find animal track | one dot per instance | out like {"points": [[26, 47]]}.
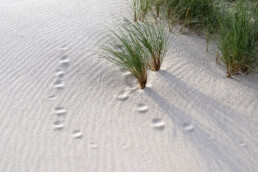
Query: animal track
{"points": [[63, 47], [123, 95], [77, 134], [51, 97], [188, 127], [142, 108], [59, 84], [158, 124], [64, 61], [125, 146], [59, 73], [60, 111], [130, 80], [126, 73], [93, 145], [58, 125]]}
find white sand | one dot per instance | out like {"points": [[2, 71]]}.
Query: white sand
{"points": [[64, 110]]}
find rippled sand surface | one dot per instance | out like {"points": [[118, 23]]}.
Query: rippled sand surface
{"points": [[64, 109]]}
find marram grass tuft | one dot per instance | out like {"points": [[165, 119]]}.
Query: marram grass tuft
{"points": [[154, 37], [238, 39], [124, 50]]}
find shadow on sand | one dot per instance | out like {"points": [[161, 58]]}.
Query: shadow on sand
{"points": [[220, 145]]}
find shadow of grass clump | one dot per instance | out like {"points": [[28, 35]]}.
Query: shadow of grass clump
{"points": [[238, 39], [229, 122]]}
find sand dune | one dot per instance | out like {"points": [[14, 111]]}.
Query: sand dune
{"points": [[64, 109]]}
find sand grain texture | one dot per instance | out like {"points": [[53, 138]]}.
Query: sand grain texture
{"points": [[64, 109]]}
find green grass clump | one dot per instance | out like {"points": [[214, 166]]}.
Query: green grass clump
{"points": [[137, 47], [238, 39], [192, 13], [124, 50], [233, 22], [154, 38]]}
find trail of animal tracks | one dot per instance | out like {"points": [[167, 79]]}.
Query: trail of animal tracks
{"points": [[64, 109]]}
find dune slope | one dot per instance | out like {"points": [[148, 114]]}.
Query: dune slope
{"points": [[64, 109]]}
